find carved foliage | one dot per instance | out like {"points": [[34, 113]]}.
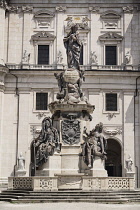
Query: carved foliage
{"points": [[61, 9], [128, 9], [27, 8], [70, 131], [94, 9]]}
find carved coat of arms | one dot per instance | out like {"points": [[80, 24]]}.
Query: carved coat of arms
{"points": [[70, 131]]}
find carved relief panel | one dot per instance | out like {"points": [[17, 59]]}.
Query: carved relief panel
{"points": [[44, 19], [111, 20]]}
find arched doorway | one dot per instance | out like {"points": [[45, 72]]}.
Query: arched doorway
{"points": [[113, 162]]}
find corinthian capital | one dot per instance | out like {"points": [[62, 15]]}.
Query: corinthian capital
{"points": [[128, 9], [4, 4]]}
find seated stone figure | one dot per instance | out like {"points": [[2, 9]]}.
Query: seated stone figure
{"points": [[46, 143], [94, 144]]}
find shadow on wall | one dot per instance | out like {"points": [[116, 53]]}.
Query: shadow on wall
{"points": [[129, 116]]}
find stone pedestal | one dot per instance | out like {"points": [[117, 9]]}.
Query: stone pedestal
{"points": [[130, 174], [98, 169], [20, 173], [70, 121], [51, 167]]}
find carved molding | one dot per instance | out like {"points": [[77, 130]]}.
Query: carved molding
{"points": [[61, 9], [43, 35], [111, 36], [27, 8], [44, 14], [44, 18], [128, 9], [110, 14], [112, 131], [94, 9]]}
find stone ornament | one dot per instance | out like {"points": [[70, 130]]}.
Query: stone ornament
{"points": [[61, 9], [4, 4], [111, 36], [46, 143], [70, 131], [21, 162], [94, 9], [44, 18], [112, 132], [128, 9], [27, 8], [95, 144], [40, 115], [59, 57], [93, 58], [13, 9], [111, 24], [80, 21], [127, 58], [43, 35], [129, 163]]}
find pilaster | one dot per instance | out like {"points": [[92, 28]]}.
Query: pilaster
{"points": [[95, 31], [60, 18], [3, 72], [127, 15], [128, 129], [2, 30]]}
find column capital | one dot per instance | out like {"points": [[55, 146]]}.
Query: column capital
{"points": [[61, 9], [94, 9], [128, 9], [27, 8]]}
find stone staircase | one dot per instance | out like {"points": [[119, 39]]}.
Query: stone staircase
{"points": [[24, 196]]}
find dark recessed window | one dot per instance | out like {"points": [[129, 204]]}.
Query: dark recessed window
{"points": [[110, 55], [81, 56], [111, 101], [41, 101], [43, 54]]}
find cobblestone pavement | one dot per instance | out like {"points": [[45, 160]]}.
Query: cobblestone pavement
{"points": [[68, 206]]}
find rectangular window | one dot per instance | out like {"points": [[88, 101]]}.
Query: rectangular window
{"points": [[111, 101], [43, 54], [81, 56], [110, 55], [41, 101]]}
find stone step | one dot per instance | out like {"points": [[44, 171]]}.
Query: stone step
{"points": [[74, 200], [70, 196]]}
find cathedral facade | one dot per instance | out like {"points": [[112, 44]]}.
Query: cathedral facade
{"points": [[32, 50]]}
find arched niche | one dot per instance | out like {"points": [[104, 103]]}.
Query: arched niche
{"points": [[114, 158]]}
